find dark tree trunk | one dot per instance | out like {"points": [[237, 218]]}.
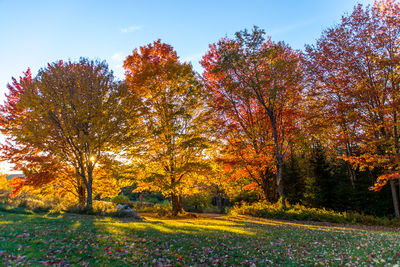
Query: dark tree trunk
{"points": [[392, 184], [279, 167], [395, 198], [81, 192], [89, 190], [174, 203], [352, 174], [180, 208], [266, 191], [219, 204], [278, 157], [269, 186]]}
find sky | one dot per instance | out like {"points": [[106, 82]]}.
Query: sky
{"points": [[34, 33]]}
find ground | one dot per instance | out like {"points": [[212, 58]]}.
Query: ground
{"points": [[209, 240]]}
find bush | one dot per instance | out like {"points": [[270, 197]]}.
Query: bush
{"points": [[99, 208], [9, 209], [120, 199], [103, 206], [302, 213], [212, 209], [4, 195], [163, 210], [197, 202]]}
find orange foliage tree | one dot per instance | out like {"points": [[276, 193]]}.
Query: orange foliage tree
{"points": [[67, 117], [173, 119], [3, 182]]}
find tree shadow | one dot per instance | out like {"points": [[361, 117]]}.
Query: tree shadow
{"points": [[218, 240]]}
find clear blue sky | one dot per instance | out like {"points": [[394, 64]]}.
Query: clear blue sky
{"points": [[34, 33]]}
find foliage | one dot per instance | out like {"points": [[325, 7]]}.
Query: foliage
{"points": [[264, 122], [173, 117], [67, 117], [4, 186], [112, 175], [120, 199], [197, 202], [163, 210], [354, 77], [255, 88], [302, 213], [102, 208], [25, 203]]}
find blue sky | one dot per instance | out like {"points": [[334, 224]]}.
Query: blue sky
{"points": [[34, 33]]}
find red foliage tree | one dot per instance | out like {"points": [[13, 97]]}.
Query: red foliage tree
{"points": [[255, 85], [355, 67]]}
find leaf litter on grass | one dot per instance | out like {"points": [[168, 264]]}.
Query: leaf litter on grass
{"points": [[92, 241]]}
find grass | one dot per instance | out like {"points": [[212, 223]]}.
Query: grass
{"points": [[30, 239]]}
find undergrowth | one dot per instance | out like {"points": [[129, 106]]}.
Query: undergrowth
{"points": [[302, 213]]}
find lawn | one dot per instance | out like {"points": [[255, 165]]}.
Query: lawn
{"points": [[217, 240]]}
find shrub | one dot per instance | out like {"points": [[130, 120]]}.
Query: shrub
{"points": [[212, 209], [120, 199], [105, 207], [98, 208], [76, 209], [197, 202], [163, 210], [302, 213], [4, 195]]}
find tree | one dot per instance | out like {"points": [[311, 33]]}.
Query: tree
{"points": [[173, 117], [357, 65], [112, 175], [250, 75], [3, 182], [68, 114], [39, 168]]}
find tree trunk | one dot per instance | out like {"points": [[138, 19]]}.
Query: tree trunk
{"points": [[278, 157], [89, 190], [351, 174], [269, 186], [392, 183], [395, 198], [219, 203], [81, 192], [266, 191], [279, 167], [180, 208], [176, 204]]}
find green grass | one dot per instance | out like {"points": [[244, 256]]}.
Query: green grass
{"points": [[29, 239]]}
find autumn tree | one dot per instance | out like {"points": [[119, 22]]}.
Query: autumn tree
{"points": [[3, 182], [112, 175], [173, 117], [257, 81], [356, 71], [69, 114], [39, 168]]}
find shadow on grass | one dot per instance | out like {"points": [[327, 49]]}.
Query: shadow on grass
{"points": [[45, 239], [221, 240]]}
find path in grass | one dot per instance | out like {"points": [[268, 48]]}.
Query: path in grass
{"points": [[219, 240]]}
